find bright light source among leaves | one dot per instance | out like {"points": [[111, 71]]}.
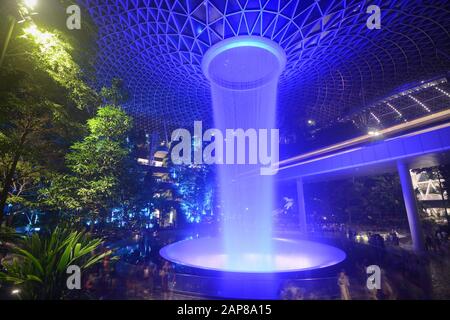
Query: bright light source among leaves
{"points": [[31, 4]]}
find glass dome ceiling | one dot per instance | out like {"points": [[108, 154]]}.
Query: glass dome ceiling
{"points": [[335, 64]]}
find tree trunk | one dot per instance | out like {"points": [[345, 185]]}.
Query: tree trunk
{"points": [[10, 175], [7, 185]]}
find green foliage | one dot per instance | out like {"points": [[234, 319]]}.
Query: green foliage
{"points": [[110, 123], [51, 52], [97, 164], [43, 100], [115, 94], [32, 131], [26, 179], [94, 157], [8, 234], [195, 187], [370, 201], [40, 262]]}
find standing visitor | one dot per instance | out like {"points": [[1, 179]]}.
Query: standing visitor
{"points": [[153, 273], [90, 284], [386, 287], [429, 245], [172, 281], [344, 285], [106, 266], [164, 274]]}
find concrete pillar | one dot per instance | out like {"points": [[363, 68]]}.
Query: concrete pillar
{"points": [[301, 205], [409, 197]]}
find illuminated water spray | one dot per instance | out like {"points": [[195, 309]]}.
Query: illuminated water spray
{"points": [[243, 73]]}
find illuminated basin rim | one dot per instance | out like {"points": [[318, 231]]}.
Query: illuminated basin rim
{"points": [[288, 256], [243, 62]]}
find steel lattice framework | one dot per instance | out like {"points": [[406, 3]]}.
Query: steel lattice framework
{"points": [[335, 63]]}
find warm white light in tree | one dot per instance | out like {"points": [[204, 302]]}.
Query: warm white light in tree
{"points": [[31, 4]]}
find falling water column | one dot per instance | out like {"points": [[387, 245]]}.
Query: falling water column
{"points": [[244, 72]]}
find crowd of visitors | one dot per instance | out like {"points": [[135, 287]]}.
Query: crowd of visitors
{"points": [[142, 279], [403, 274], [436, 242], [346, 287], [157, 279]]}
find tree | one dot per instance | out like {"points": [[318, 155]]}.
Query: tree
{"points": [[43, 99], [115, 94], [32, 133], [361, 201], [40, 263], [97, 165], [22, 194], [194, 186]]}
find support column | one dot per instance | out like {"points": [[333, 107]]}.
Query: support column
{"points": [[409, 197], [301, 205]]}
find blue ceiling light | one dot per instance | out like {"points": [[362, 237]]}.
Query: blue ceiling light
{"points": [[334, 63]]}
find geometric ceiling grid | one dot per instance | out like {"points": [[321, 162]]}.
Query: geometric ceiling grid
{"points": [[335, 64]]}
